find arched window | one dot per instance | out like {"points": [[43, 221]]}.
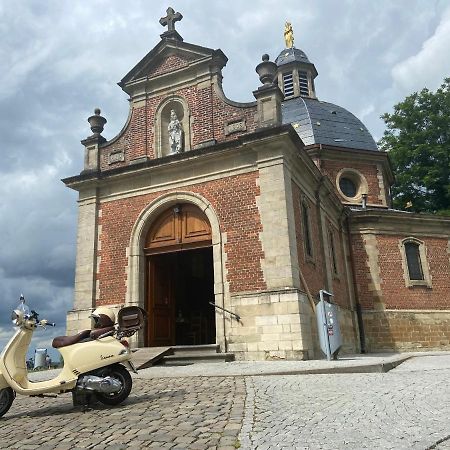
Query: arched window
{"points": [[333, 257], [415, 265], [413, 261], [306, 225]]}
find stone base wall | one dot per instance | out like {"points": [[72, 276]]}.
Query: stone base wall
{"points": [[407, 330], [274, 325], [349, 331]]}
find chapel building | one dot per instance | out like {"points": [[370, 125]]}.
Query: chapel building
{"points": [[223, 220]]}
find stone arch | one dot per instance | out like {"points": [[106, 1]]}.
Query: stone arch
{"points": [[136, 258], [162, 119]]}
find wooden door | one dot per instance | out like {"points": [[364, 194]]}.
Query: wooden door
{"points": [[161, 302], [182, 227]]}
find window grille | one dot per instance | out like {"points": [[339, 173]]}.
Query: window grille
{"points": [[288, 84], [303, 83]]}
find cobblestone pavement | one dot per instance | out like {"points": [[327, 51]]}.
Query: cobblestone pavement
{"points": [[406, 408], [192, 413]]}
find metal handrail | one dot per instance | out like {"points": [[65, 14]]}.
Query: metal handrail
{"points": [[238, 317]]}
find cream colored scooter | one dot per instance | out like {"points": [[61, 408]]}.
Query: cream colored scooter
{"points": [[94, 362]]}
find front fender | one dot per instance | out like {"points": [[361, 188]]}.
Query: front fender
{"points": [[3, 383]]}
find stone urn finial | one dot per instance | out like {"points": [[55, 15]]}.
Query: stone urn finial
{"points": [[97, 122], [266, 70]]}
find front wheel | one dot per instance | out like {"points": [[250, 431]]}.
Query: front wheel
{"points": [[7, 396], [121, 374]]}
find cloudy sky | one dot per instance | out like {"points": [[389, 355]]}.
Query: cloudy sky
{"points": [[60, 60]]}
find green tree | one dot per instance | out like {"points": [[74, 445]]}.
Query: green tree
{"points": [[418, 141]]}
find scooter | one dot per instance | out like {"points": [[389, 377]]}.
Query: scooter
{"points": [[96, 362]]}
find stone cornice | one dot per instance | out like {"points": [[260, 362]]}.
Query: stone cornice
{"points": [[260, 137], [395, 222]]}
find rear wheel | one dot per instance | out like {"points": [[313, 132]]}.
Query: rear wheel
{"points": [[121, 374], [7, 396]]}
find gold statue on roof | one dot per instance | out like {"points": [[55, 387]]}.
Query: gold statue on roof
{"points": [[288, 35]]}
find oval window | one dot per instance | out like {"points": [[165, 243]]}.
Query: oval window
{"points": [[348, 187]]}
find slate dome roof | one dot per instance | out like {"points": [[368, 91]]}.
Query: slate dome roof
{"points": [[292, 54], [319, 122]]}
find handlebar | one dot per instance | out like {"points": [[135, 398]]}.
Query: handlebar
{"points": [[45, 323]]}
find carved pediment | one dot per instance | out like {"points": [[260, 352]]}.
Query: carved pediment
{"points": [[168, 56]]}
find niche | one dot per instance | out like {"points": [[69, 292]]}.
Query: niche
{"points": [[172, 113]]}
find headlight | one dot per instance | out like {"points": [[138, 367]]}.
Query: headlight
{"points": [[17, 317]]}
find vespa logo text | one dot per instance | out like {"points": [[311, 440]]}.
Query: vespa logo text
{"points": [[106, 357]]}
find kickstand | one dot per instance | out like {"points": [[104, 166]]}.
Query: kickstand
{"points": [[83, 399]]}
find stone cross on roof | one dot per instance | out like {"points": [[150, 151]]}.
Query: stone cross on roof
{"points": [[170, 19]]}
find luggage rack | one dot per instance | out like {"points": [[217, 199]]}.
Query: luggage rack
{"points": [[130, 319]]}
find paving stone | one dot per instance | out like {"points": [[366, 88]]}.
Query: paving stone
{"points": [[407, 408]]}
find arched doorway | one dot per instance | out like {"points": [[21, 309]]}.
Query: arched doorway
{"points": [[180, 278]]}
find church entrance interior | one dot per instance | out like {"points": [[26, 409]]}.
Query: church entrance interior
{"points": [[180, 279], [181, 285]]}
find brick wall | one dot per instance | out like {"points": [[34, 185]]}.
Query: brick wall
{"points": [[209, 114], [393, 293], [370, 172], [339, 280], [313, 269], [234, 200], [170, 64]]}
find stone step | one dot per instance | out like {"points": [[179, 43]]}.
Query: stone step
{"points": [[206, 348], [186, 358]]}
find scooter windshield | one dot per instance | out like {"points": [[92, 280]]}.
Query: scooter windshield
{"points": [[22, 311], [23, 308]]}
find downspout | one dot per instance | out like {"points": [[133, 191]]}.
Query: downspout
{"points": [[146, 121], [362, 336], [222, 269]]}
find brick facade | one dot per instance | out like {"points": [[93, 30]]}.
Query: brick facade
{"points": [[208, 114], [369, 171], [234, 200], [252, 175], [396, 295]]}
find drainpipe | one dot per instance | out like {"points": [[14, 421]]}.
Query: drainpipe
{"points": [[364, 201], [362, 336]]}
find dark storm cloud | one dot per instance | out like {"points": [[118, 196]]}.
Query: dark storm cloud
{"points": [[60, 60]]}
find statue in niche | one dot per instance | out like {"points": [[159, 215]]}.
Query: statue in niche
{"points": [[175, 133]]}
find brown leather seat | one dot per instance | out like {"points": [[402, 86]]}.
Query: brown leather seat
{"points": [[64, 341], [95, 334]]}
